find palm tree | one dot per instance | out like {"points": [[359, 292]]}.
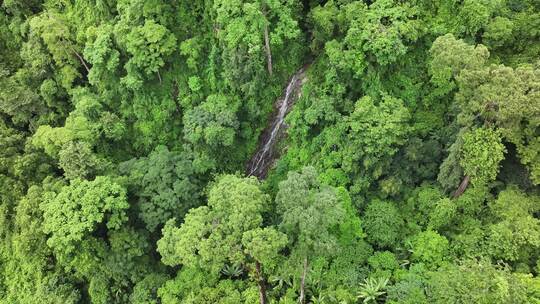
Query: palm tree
{"points": [[280, 281], [232, 271], [372, 289], [320, 299]]}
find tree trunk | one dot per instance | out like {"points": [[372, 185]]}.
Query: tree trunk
{"points": [[462, 187], [267, 48], [81, 59], [159, 76], [261, 283], [303, 282]]}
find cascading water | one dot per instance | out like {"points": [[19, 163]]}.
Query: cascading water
{"points": [[265, 156]]}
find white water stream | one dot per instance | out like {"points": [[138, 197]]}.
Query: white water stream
{"points": [[265, 155]]}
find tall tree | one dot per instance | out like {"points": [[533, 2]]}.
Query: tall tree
{"points": [[80, 208], [256, 25], [309, 213], [226, 232], [166, 185]]}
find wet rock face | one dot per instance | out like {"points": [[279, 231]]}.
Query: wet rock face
{"points": [[266, 153]]}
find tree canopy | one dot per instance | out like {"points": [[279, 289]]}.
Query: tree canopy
{"points": [[396, 146]]}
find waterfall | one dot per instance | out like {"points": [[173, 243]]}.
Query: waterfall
{"points": [[265, 155]]}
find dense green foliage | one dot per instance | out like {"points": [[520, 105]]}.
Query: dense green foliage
{"points": [[410, 172]]}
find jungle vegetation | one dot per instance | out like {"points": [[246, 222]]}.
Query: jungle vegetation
{"points": [[409, 174]]}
